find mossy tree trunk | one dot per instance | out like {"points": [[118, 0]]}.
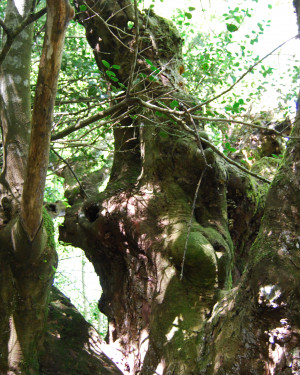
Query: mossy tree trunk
{"points": [[27, 250], [217, 313]]}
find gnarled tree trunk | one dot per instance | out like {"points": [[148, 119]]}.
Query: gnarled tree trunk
{"points": [[165, 252]]}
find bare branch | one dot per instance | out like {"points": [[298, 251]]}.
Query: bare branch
{"points": [[136, 49], [107, 25], [230, 161], [2, 24], [12, 34], [90, 120], [217, 151], [263, 128], [82, 191]]}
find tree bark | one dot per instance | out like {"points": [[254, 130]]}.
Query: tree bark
{"points": [[27, 250], [58, 16], [138, 230], [15, 109], [72, 346]]}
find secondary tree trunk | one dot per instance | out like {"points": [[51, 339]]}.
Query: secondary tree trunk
{"points": [[200, 317], [27, 251]]}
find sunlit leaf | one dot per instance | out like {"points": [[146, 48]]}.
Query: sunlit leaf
{"points": [[106, 64], [130, 24], [231, 27], [174, 104]]}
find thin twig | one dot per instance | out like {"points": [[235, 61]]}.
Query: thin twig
{"points": [[106, 25], [217, 151], [71, 170], [81, 124], [136, 49], [263, 128]]}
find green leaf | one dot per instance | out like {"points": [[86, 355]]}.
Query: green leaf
{"points": [[163, 134], [92, 90], [205, 66], [130, 25], [106, 64], [150, 63], [191, 9], [83, 8], [115, 67], [110, 73], [269, 6], [152, 79], [231, 27], [188, 15], [174, 104]]}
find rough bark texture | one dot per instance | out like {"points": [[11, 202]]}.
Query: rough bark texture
{"points": [[135, 232], [260, 318], [72, 346], [15, 111]]}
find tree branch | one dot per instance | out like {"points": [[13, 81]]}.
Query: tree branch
{"points": [[217, 151], [12, 34], [83, 123], [73, 173], [136, 49], [59, 13], [2, 24]]}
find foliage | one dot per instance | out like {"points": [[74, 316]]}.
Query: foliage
{"points": [[215, 58]]}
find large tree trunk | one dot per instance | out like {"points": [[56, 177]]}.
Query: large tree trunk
{"points": [[168, 255]]}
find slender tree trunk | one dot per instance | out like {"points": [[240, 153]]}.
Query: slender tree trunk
{"points": [[27, 250], [15, 107]]}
